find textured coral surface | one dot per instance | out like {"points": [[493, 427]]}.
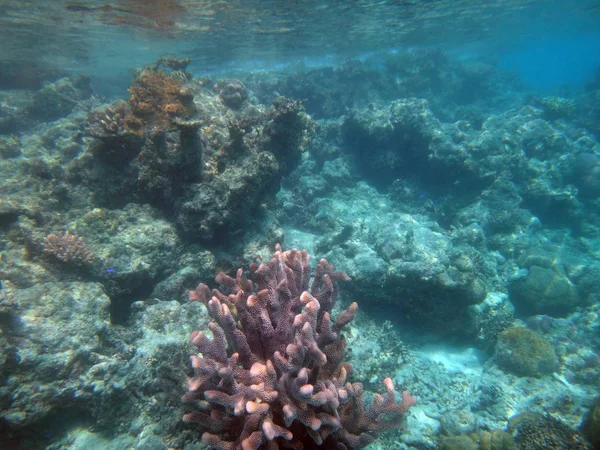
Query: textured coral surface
{"points": [[156, 98]]}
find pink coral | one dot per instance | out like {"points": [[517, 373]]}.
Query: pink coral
{"points": [[272, 375]]}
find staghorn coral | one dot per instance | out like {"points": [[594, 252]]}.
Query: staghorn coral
{"points": [[67, 248], [273, 376]]}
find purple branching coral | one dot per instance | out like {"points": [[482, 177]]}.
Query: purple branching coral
{"points": [[273, 376], [67, 248]]}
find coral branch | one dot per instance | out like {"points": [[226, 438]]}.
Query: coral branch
{"points": [[273, 374], [67, 248]]}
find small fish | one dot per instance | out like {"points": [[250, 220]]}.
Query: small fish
{"points": [[111, 271]]}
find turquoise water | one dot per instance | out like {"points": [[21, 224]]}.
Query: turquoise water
{"points": [[551, 62], [438, 162]]}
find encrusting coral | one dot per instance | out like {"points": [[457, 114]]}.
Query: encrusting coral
{"points": [[273, 375], [157, 98]]}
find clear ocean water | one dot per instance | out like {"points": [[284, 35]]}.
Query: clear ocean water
{"points": [[239, 225]]}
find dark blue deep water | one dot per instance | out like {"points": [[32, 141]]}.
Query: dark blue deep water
{"points": [[244, 225]]}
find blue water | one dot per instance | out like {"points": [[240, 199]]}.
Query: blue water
{"points": [[555, 61]]}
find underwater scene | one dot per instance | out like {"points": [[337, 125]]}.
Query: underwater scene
{"points": [[300, 224]]}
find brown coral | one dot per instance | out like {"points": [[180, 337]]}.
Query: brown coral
{"points": [[233, 93], [174, 110], [158, 97], [108, 121], [273, 376]]}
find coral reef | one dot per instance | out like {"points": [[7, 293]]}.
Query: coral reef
{"points": [[485, 204], [198, 151], [243, 160], [58, 356], [420, 273], [26, 74], [283, 377], [66, 364], [147, 147], [405, 140]]}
